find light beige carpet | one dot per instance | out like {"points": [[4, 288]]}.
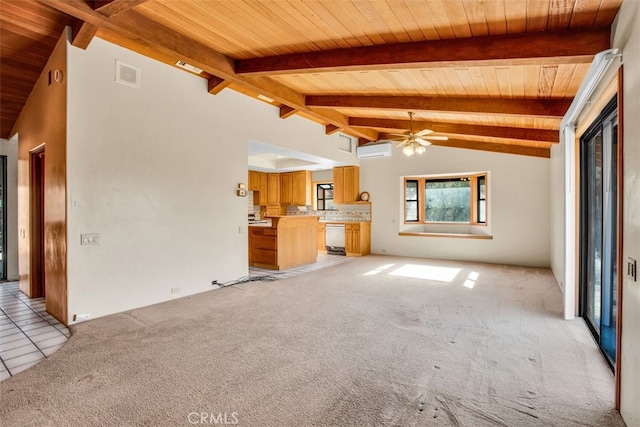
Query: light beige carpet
{"points": [[380, 341]]}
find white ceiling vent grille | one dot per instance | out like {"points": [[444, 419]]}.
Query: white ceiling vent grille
{"points": [[346, 144], [127, 75]]}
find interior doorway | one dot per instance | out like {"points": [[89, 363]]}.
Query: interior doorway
{"points": [[599, 229], [37, 225]]}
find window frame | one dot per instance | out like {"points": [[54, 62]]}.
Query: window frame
{"points": [[417, 201], [474, 208], [315, 196]]}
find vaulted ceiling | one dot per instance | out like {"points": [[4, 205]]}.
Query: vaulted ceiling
{"points": [[495, 75]]}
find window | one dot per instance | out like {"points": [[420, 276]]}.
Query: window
{"points": [[447, 200], [454, 199], [324, 197], [482, 200], [411, 201]]}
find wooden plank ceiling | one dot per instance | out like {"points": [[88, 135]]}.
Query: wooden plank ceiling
{"points": [[492, 75]]}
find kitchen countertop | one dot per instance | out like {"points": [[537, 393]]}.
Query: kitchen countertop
{"points": [[260, 224], [341, 222], [321, 221]]}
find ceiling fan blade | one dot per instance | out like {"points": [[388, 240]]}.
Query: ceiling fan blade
{"points": [[438, 137], [422, 141], [403, 135], [400, 144], [424, 132]]}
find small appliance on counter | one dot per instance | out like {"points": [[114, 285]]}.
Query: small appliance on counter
{"points": [[254, 218]]}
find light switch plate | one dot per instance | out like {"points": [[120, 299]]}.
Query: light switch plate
{"points": [[632, 269], [89, 239]]}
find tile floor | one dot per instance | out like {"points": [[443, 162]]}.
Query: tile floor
{"points": [[28, 333]]}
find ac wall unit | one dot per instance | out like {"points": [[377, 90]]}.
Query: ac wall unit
{"points": [[377, 149]]}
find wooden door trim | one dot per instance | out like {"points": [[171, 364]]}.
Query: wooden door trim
{"points": [[36, 258], [620, 233]]}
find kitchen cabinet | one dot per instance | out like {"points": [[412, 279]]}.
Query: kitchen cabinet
{"points": [[286, 188], [301, 188], [263, 245], [357, 238], [254, 180], [290, 241], [262, 193], [322, 246], [346, 184], [273, 189]]}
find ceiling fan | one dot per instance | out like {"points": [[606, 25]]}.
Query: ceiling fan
{"points": [[415, 142]]}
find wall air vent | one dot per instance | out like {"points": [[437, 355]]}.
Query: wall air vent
{"points": [[346, 143], [188, 67], [127, 75]]}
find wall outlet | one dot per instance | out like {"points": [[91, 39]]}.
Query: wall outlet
{"points": [[175, 290], [89, 239], [81, 317]]}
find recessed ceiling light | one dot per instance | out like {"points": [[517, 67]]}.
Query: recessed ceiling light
{"points": [[188, 67], [265, 98]]}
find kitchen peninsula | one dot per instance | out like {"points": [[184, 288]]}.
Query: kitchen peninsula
{"points": [[289, 241]]}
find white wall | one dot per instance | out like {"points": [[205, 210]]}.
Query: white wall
{"points": [[519, 206], [154, 172], [626, 36], [10, 149], [557, 210]]}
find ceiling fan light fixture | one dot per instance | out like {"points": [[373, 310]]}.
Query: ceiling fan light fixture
{"points": [[408, 150], [420, 149]]}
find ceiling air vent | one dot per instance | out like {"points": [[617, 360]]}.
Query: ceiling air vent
{"points": [[127, 75], [188, 67], [346, 144]]}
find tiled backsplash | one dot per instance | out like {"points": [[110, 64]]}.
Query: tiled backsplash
{"points": [[360, 212], [252, 208]]}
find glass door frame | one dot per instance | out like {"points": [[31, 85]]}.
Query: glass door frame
{"points": [[3, 223], [609, 236]]}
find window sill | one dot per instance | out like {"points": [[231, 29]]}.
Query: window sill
{"points": [[451, 235]]}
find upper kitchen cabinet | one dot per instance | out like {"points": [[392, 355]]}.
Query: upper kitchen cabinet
{"points": [[301, 188], [286, 188], [295, 188], [254, 180], [273, 189], [346, 184], [258, 184]]}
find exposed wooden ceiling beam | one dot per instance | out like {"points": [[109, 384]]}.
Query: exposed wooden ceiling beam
{"points": [[554, 107], [460, 129], [217, 84], [496, 147], [552, 48], [286, 111], [331, 129], [113, 7], [154, 36], [82, 33]]}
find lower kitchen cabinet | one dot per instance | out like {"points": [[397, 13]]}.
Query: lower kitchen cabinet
{"points": [[263, 245], [322, 246], [290, 241], [358, 238]]}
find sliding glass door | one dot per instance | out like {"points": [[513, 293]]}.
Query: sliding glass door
{"points": [[3, 217], [599, 229]]}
